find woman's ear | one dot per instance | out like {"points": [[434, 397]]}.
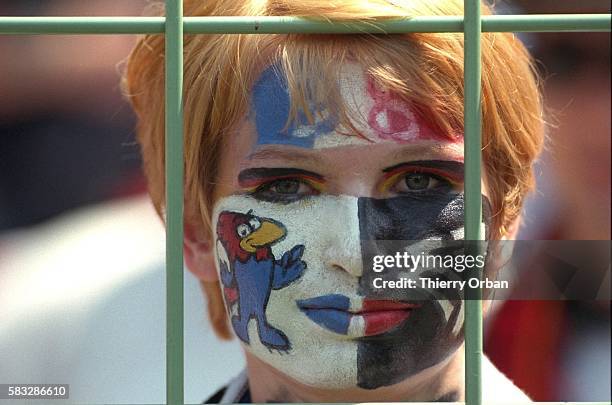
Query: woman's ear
{"points": [[199, 254]]}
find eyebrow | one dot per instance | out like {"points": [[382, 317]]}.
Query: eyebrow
{"points": [[448, 167], [253, 176], [289, 155]]}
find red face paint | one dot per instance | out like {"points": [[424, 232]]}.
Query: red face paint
{"points": [[383, 315], [391, 118]]}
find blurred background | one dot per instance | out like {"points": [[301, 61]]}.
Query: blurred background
{"points": [[82, 291], [82, 281], [560, 350]]}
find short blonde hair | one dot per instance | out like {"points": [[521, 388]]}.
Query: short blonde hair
{"points": [[424, 69]]}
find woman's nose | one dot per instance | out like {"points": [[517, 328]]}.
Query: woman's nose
{"points": [[344, 256], [342, 248]]}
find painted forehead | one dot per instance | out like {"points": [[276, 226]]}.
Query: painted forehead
{"points": [[376, 113]]}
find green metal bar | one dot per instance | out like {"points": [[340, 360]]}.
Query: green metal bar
{"points": [[497, 23], [547, 23], [272, 25], [174, 201], [279, 25], [473, 199]]}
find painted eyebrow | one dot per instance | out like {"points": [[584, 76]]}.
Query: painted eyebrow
{"points": [[292, 155], [247, 177], [452, 167]]}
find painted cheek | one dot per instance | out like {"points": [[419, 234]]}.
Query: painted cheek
{"points": [[319, 233], [433, 331]]}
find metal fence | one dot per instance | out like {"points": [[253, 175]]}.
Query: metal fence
{"points": [[174, 25]]}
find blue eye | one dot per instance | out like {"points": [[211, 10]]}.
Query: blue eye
{"points": [[416, 182], [419, 181], [284, 191], [286, 186]]}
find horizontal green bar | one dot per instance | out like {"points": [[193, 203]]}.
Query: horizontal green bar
{"points": [[273, 25], [280, 25], [547, 23], [498, 23]]}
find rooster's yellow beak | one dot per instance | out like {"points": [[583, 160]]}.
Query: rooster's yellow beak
{"points": [[266, 234]]}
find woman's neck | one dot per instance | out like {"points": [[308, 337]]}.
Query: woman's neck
{"points": [[443, 382]]}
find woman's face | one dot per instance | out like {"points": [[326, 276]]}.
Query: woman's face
{"points": [[297, 211]]}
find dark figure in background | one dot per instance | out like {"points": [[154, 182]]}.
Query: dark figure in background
{"points": [[66, 136]]}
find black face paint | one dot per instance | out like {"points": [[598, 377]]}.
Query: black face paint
{"points": [[429, 335], [248, 176]]}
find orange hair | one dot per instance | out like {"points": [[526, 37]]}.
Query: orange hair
{"points": [[424, 69]]}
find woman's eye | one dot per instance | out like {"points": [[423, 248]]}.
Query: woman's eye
{"points": [[419, 181], [286, 186], [284, 191], [415, 182]]}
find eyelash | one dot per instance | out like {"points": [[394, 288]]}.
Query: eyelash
{"points": [[394, 180], [264, 191], [266, 187]]}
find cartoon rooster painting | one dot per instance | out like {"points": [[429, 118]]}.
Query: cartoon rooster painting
{"points": [[254, 272]]}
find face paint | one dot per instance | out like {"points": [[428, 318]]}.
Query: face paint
{"points": [[434, 331], [378, 114], [252, 179], [450, 171], [375, 316], [391, 118], [251, 271], [302, 294], [271, 105], [294, 263]]}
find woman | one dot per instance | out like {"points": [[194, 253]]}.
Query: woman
{"points": [[302, 154]]}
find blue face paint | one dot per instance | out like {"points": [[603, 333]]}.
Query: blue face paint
{"points": [[271, 105], [328, 311], [252, 272]]}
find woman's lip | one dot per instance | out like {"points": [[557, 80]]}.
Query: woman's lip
{"points": [[378, 322], [370, 305], [331, 301], [342, 303], [375, 316], [381, 316]]}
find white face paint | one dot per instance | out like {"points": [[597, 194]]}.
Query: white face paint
{"points": [[298, 293], [328, 228]]}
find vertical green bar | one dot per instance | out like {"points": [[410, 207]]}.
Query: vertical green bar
{"points": [[473, 199], [174, 202]]}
